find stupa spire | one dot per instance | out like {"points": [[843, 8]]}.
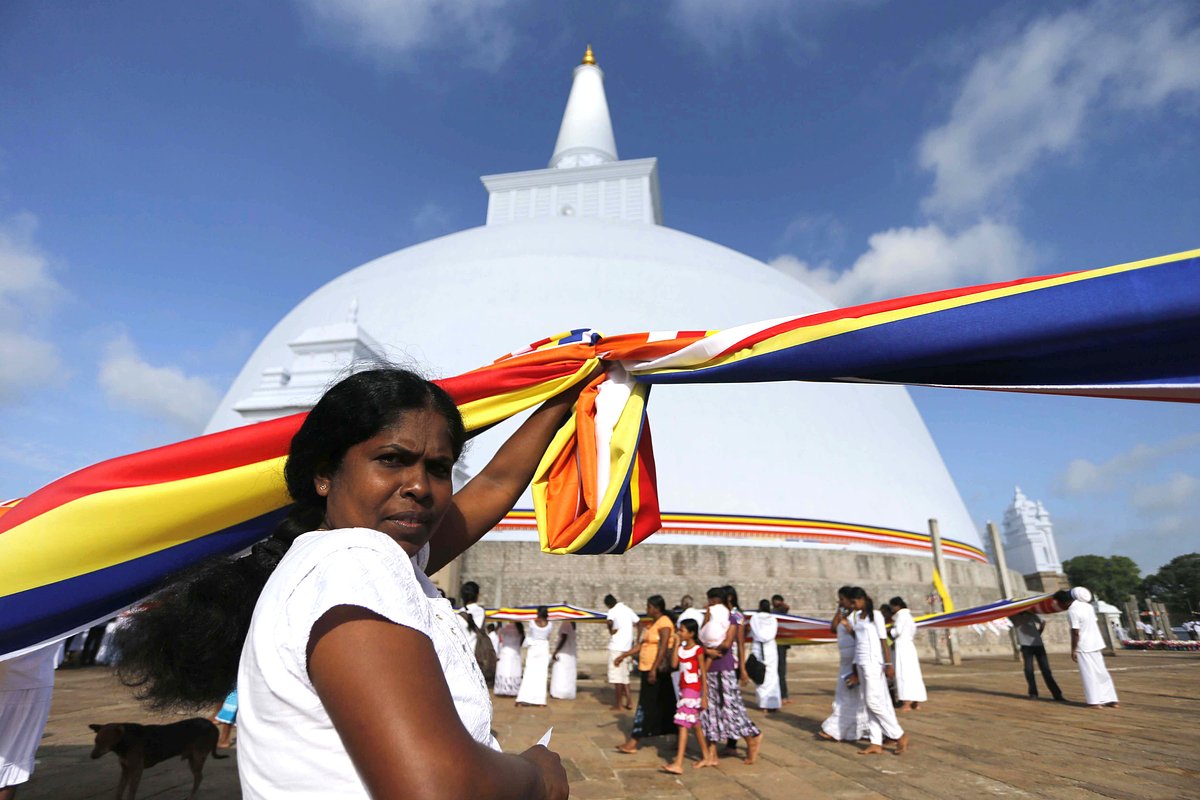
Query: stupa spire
{"points": [[585, 137]]}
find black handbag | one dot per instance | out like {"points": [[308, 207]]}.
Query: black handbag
{"points": [[756, 669]]}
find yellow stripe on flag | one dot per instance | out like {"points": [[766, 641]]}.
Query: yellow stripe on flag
{"points": [[113, 527]]}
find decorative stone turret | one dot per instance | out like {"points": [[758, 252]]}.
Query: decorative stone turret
{"points": [[323, 355], [1029, 543]]}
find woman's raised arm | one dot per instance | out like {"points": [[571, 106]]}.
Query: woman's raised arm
{"points": [[385, 691], [491, 494]]}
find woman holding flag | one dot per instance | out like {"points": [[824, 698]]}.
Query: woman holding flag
{"points": [[351, 656]]}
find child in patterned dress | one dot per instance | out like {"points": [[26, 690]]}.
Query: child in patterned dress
{"points": [[692, 663]]}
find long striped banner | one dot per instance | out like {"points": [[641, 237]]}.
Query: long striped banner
{"points": [[775, 529], [555, 612], [99, 539], [811, 630]]}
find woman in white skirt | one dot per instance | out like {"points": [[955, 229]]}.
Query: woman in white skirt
{"points": [[1087, 645], [562, 674], [848, 722], [910, 684], [508, 660], [537, 661], [765, 627], [871, 673], [26, 685]]}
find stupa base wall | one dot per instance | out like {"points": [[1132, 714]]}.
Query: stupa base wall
{"points": [[517, 573]]}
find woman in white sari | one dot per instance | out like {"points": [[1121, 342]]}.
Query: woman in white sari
{"points": [[562, 674], [848, 722], [508, 660], [910, 684], [537, 661], [764, 627]]}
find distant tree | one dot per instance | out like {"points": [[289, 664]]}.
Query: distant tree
{"points": [[1177, 584], [1111, 578]]}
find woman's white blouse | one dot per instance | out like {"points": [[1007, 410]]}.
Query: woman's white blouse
{"points": [[868, 631], [287, 745], [537, 636], [904, 627]]}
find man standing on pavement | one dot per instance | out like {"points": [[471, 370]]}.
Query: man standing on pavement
{"points": [[778, 606], [1029, 628], [621, 623]]}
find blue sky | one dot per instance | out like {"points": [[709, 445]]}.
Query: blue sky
{"points": [[175, 177]]}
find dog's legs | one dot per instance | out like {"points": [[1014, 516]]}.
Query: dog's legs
{"points": [[121, 784], [135, 777], [196, 762]]}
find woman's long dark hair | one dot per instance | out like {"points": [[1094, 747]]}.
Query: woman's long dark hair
{"points": [[857, 592], [182, 649], [731, 597]]}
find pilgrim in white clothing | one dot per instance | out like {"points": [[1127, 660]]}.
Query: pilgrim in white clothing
{"points": [[910, 685], [1098, 688], [478, 615], [848, 720], [287, 745], [537, 664], [508, 661], [868, 658], [563, 672], [26, 685], [623, 621], [764, 627]]}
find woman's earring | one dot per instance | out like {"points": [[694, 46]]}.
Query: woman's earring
{"points": [[324, 487]]}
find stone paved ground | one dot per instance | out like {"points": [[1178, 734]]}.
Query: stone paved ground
{"points": [[977, 737]]}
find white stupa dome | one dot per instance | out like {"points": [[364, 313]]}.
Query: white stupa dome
{"points": [[581, 245]]}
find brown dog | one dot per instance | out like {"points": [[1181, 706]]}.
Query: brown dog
{"points": [[141, 746]]}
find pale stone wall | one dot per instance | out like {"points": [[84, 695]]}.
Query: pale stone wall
{"points": [[517, 573]]}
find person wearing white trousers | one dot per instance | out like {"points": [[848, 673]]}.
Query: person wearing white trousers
{"points": [[871, 674], [1086, 645], [910, 684]]}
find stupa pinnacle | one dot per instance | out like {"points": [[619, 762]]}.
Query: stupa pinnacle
{"points": [[585, 137]]}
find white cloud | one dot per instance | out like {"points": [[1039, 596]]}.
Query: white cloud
{"points": [[1038, 95], [903, 261], [720, 24], [28, 362], [1177, 492], [27, 292], [1085, 477], [162, 392], [431, 219], [394, 32]]}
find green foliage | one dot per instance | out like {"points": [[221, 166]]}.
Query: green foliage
{"points": [[1111, 578], [1177, 584]]}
